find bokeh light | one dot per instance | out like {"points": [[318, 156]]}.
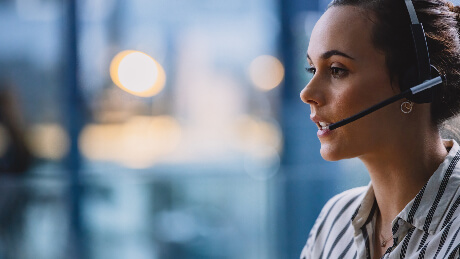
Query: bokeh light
{"points": [[261, 143], [49, 141], [254, 133], [137, 143], [266, 72], [137, 73], [146, 139], [100, 141]]}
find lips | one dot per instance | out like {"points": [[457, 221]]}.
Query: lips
{"points": [[320, 122]]}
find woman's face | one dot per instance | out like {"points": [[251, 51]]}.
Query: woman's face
{"points": [[350, 75]]}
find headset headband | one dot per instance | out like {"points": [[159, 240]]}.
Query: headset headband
{"points": [[423, 66], [421, 49], [412, 13]]}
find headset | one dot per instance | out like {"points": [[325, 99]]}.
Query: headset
{"points": [[418, 82]]}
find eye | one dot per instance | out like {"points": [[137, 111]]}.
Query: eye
{"points": [[338, 72], [311, 70]]}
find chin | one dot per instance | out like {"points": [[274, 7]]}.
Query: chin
{"points": [[331, 153], [330, 157]]}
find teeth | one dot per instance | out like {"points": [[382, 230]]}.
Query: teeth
{"points": [[323, 125]]}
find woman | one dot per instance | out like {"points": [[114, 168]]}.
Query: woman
{"points": [[359, 52]]}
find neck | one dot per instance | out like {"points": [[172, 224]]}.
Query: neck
{"points": [[400, 169]]}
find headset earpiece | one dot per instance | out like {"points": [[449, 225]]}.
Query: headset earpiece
{"points": [[410, 79]]}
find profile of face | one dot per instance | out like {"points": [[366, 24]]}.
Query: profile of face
{"points": [[350, 75]]}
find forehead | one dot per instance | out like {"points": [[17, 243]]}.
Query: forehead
{"points": [[343, 28]]}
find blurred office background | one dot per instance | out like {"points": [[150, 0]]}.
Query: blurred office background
{"points": [[159, 129]]}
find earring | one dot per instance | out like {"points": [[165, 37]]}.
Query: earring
{"points": [[406, 107]]}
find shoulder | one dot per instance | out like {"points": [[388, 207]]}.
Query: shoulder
{"points": [[341, 208], [343, 204], [346, 199], [336, 214]]}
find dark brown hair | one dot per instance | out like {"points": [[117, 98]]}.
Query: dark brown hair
{"points": [[391, 34]]}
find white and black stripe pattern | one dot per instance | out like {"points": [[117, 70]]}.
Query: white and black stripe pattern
{"points": [[451, 243], [344, 208], [339, 237], [329, 242], [422, 251], [406, 242], [364, 230], [422, 243], [451, 212], [428, 227], [445, 232], [324, 220], [416, 204], [347, 248], [366, 240], [336, 219]]}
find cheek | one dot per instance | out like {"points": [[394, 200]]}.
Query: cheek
{"points": [[360, 92], [363, 134], [347, 101]]}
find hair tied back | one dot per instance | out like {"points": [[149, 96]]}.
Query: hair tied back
{"points": [[455, 10]]}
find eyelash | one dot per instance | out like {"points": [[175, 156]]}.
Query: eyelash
{"points": [[336, 72], [310, 70]]}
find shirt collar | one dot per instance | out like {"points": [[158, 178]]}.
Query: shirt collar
{"points": [[426, 210], [365, 211]]}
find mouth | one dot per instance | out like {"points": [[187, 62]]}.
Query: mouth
{"points": [[322, 125], [320, 122]]}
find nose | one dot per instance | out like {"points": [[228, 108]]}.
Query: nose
{"points": [[312, 93]]}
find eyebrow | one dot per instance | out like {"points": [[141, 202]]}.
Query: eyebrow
{"points": [[330, 53]]}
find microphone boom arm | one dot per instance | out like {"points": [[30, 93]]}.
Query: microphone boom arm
{"points": [[407, 93]]}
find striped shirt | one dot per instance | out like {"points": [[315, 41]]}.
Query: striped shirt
{"points": [[428, 227]]}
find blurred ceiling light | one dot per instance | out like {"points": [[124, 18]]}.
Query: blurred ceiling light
{"points": [[100, 142], [138, 143], [266, 72], [49, 141], [146, 139], [137, 73], [254, 133]]}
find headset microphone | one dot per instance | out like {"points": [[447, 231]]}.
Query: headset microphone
{"points": [[406, 94], [423, 75]]}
